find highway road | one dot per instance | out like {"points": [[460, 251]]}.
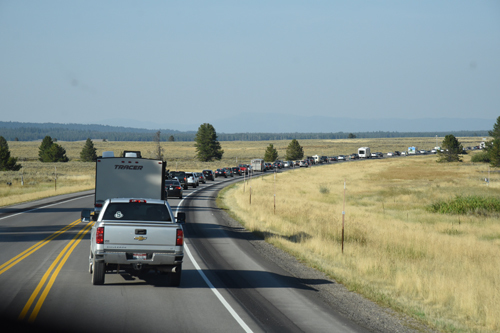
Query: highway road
{"points": [[227, 285]]}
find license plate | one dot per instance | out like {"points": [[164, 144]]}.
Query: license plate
{"points": [[170, 188], [139, 256]]}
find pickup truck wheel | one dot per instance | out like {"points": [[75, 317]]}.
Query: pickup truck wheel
{"points": [[175, 278], [97, 273], [180, 196]]}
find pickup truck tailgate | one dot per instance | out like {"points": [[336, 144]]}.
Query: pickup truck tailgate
{"points": [[133, 236]]}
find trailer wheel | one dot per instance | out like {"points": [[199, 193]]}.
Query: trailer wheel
{"points": [[97, 272]]}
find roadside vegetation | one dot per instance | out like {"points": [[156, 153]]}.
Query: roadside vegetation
{"points": [[420, 237]]}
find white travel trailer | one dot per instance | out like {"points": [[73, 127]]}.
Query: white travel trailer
{"points": [[364, 152], [258, 165], [130, 176]]}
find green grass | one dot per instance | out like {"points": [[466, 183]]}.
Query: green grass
{"points": [[467, 205]]}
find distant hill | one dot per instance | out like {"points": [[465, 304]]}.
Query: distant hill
{"points": [[256, 122], [75, 132]]}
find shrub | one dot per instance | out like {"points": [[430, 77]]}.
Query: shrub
{"points": [[481, 157], [467, 205], [324, 190]]}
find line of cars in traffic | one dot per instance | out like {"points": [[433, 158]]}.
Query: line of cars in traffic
{"points": [[177, 181]]}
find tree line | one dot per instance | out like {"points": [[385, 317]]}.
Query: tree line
{"points": [[15, 131], [208, 149]]}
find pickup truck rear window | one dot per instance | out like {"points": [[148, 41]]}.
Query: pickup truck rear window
{"points": [[139, 211]]}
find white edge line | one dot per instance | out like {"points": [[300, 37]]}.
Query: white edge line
{"points": [[207, 281], [31, 210]]}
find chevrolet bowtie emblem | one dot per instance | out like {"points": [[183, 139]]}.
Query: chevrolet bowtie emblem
{"points": [[140, 238]]}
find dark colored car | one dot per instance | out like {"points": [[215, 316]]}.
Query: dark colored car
{"points": [[181, 177], [229, 172], [209, 174], [173, 188], [236, 171], [354, 156], [220, 173]]}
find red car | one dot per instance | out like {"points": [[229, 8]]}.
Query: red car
{"points": [[244, 168]]}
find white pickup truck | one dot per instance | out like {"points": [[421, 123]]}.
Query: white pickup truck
{"points": [[136, 235]]}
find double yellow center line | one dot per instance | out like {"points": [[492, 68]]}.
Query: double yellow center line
{"points": [[51, 274], [9, 264]]}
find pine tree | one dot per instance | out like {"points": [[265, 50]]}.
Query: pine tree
{"points": [[494, 153], [44, 147], [171, 138], [294, 151], [451, 150], [271, 154], [88, 153], [493, 146], [51, 152], [7, 163], [495, 133], [55, 153], [207, 146]]}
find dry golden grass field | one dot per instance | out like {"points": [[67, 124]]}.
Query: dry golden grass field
{"points": [[39, 178], [442, 269]]}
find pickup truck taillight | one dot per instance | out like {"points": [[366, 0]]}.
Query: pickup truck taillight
{"points": [[99, 236], [180, 238]]}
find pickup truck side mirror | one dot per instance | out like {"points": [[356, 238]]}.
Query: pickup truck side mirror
{"points": [[181, 217]]}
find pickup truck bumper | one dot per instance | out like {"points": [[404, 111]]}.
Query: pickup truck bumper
{"points": [[153, 259]]}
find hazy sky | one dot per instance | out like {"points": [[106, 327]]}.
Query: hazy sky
{"points": [[196, 61]]}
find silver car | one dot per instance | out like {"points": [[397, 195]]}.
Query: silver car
{"points": [[192, 179]]}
